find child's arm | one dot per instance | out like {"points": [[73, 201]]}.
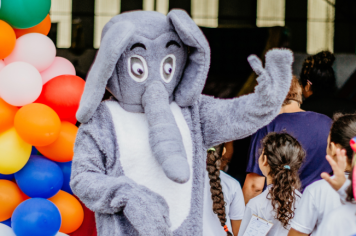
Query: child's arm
{"points": [[235, 224], [293, 232], [225, 120], [253, 186]]}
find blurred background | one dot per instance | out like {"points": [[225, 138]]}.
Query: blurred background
{"points": [[234, 29]]}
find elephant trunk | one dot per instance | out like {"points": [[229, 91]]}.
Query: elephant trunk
{"points": [[165, 138]]}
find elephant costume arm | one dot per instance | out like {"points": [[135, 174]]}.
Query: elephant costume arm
{"points": [[100, 193], [226, 120], [96, 154]]}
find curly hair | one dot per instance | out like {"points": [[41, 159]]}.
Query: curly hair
{"points": [[217, 195], [317, 69], [295, 92], [282, 149]]}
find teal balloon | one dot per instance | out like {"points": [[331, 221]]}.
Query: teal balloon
{"points": [[23, 14]]}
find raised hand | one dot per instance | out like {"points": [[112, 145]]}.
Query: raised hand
{"points": [[338, 168]]}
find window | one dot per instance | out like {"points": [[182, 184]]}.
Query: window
{"points": [[104, 11], [270, 13], [161, 6], [320, 26], [205, 12], [61, 13]]}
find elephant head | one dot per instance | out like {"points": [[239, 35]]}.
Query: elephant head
{"points": [[143, 61]]}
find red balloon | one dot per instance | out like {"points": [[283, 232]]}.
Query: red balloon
{"points": [[63, 94]]}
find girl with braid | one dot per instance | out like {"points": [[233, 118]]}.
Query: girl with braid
{"points": [[224, 204], [280, 159]]}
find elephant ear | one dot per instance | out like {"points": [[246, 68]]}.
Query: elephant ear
{"points": [[198, 62], [116, 37]]}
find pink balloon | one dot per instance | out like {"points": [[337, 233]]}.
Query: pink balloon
{"points": [[60, 66], [2, 64], [35, 49], [20, 83]]}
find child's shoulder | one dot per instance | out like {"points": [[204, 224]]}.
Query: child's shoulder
{"points": [[317, 187], [256, 201]]}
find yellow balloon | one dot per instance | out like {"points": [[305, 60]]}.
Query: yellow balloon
{"points": [[14, 152]]}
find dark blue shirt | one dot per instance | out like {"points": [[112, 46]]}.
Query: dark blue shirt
{"points": [[311, 130]]}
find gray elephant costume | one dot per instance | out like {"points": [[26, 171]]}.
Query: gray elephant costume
{"points": [[140, 157]]}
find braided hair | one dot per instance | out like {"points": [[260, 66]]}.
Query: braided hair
{"points": [[213, 159], [317, 70], [284, 155]]}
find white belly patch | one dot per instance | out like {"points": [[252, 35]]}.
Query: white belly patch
{"points": [[140, 165]]}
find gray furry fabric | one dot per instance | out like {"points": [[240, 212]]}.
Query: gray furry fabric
{"points": [[143, 61]]}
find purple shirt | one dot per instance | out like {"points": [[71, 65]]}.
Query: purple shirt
{"points": [[311, 130]]}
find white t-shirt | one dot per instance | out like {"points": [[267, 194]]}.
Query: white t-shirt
{"points": [[262, 207], [318, 199], [234, 208], [339, 222]]}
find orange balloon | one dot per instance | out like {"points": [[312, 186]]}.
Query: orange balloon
{"points": [[7, 39], [41, 28], [10, 198], [7, 115], [72, 212], [61, 150], [37, 124]]}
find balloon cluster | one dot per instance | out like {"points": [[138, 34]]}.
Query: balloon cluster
{"points": [[39, 96]]}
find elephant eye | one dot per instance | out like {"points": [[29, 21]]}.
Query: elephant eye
{"points": [[168, 67], [138, 68]]}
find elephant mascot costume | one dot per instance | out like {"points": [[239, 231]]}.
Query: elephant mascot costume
{"points": [[140, 157]]}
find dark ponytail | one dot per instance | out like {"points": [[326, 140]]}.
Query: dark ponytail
{"points": [[342, 131], [317, 69], [284, 156], [213, 158]]}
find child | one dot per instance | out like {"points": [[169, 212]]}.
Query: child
{"points": [[314, 204], [282, 155], [224, 196], [342, 220]]}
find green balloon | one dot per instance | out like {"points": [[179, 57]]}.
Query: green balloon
{"points": [[23, 14]]}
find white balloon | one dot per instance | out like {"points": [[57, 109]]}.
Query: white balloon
{"points": [[60, 66], [6, 230], [59, 234], [20, 83], [36, 49]]}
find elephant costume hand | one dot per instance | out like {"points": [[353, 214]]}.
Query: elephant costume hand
{"points": [[146, 66], [153, 211]]}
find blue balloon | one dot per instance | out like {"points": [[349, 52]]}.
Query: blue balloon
{"points": [[40, 177], [36, 217], [66, 168], [7, 222], [34, 151], [7, 177]]}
